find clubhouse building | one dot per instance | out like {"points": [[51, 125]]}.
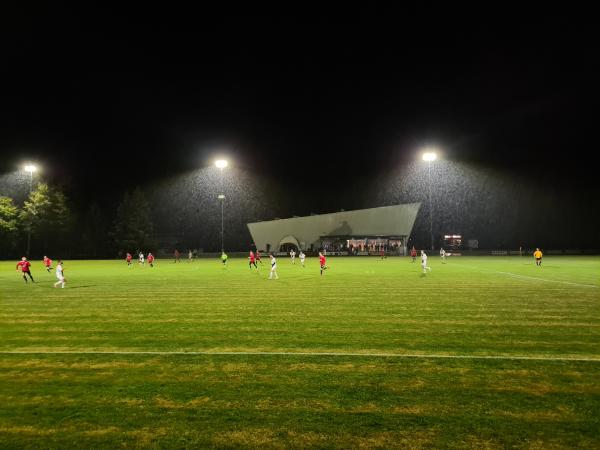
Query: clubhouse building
{"points": [[359, 232]]}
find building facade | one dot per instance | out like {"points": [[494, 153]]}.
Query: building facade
{"points": [[361, 231]]}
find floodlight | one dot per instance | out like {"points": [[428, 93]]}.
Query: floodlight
{"points": [[429, 156], [221, 163], [30, 168]]}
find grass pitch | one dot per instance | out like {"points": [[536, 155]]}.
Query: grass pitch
{"points": [[488, 352]]}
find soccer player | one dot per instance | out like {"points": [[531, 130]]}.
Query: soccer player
{"points": [[302, 257], [47, 264], [151, 259], [382, 253], [252, 259], [258, 256], [443, 255], [413, 253], [273, 267], [293, 256], [141, 260], [424, 262], [60, 274], [128, 258], [322, 262], [538, 257], [224, 258], [24, 265], [190, 256], [177, 255]]}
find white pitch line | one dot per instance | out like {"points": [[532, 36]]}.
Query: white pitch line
{"points": [[516, 275], [320, 354], [545, 279]]}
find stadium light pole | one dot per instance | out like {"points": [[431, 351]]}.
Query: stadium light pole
{"points": [[221, 164], [430, 156], [31, 169]]}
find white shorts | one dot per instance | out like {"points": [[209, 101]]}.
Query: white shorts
{"points": [[61, 279], [274, 268]]}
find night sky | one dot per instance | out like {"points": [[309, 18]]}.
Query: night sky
{"points": [[328, 113]]}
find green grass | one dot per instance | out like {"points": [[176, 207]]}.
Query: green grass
{"points": [[356, 387]]}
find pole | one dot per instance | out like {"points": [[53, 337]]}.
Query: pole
{"points": [[430, 204], [222, 197], [222, 244], [29, 227]]}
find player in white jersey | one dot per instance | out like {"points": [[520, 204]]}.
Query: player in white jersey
{"points": [[302, 257], [443, 255], [293, 256], [424, 262], [273, 267], [60, 275], [141, 256]]}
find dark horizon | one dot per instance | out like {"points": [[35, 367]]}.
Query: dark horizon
{"points": [[317, 116]]}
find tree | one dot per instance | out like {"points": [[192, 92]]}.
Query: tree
{"points": [[46, 213], [133, 227], [94, 232], [9, 215]]}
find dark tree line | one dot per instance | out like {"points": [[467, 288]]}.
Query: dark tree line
{"points": [[44, 214], [182, 213], [59, 232], [133, 228]]}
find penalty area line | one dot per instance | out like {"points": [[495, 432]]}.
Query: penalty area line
{"points": [[313, 354]]}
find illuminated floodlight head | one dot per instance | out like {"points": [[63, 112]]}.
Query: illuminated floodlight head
{"points": [[30, 168], [221, 163], [429, 156], [221, 197]]}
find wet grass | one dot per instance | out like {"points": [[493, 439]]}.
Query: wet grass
{"points": [[468, 307]]}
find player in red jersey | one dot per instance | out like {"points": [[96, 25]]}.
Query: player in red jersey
{"points": [[258, 256], [128, 259], [151, 259], [413, 253], [252, 259], [47, 264], [24, 265], [323, 262]]}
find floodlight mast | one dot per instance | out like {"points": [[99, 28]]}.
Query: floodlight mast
{"points": [[430, 156], [222, 164], [31, 169]]}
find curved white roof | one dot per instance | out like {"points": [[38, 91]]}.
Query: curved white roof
{"points": [[397, 220]]}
